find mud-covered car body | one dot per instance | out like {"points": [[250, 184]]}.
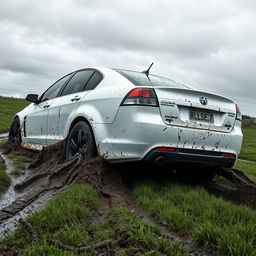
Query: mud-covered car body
{"points": [[135, 116]]}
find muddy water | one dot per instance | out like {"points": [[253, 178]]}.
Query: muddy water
{"points": [[3, 136], [48, 173], [10, 225], [11, 195]]}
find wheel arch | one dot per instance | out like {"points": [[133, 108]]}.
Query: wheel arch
{"points": [[82, 118]]}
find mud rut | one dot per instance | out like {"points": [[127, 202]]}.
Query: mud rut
{"points": [[49, 173]]}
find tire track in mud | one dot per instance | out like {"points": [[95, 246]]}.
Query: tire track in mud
{"points": [[50, 173]]}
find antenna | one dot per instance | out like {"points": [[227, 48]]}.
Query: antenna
{"points": [[146, 72]]}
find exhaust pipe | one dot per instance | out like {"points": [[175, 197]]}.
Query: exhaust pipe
{"points": [[161, 160]]}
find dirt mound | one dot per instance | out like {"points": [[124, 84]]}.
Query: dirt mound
{"points": [[10, 147], [243, 192]]}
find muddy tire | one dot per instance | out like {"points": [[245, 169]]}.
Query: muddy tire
{"points": [[15, 132], [80, 142]]}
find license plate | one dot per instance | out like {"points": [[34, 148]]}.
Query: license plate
{"points": [[200, 115]]}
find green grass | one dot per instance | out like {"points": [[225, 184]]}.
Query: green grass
{"points": [[5, 180], [212, 222], [9, 107], [18, 163], [3, 142], [249, 144], [15, 172], [68, 218]]}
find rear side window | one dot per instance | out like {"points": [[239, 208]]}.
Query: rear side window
{"points": [[54, 90], [141, 79], [94, 81], [77, 82]]}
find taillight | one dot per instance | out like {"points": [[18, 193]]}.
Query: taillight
{"points": [[165, 149], [238, 113], [229, 155], [141, 96]]}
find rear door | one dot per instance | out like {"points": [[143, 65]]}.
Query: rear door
{"points": [[196, 109], [64, 107]]}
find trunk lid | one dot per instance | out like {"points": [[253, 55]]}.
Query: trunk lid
{"points": [[196, 109]]}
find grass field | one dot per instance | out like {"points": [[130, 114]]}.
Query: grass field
{"points": [[8, 108], [249, 144], [67, 218], [211, 222]]}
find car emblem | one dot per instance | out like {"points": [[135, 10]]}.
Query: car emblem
{"points": [[203, 100]]}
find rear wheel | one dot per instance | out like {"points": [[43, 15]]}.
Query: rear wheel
{"points": [[81, 143], [15, 132]]}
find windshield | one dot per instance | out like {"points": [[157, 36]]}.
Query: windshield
{"points": [[141, 79]]}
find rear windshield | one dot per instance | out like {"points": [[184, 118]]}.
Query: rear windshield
{"points": [[141, 79]]}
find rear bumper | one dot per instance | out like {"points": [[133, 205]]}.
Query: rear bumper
{"points": [[206, 158], [137, 130]]}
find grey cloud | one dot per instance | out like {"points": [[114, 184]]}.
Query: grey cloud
{"points": [[208, 44]]}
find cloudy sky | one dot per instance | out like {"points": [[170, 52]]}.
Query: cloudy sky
{"points": [[209, 44]]}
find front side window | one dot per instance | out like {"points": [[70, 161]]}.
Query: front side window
{"points": [[77, 82], [54, 90]]}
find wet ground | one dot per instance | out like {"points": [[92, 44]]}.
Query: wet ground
{"points": [[48, 173]]}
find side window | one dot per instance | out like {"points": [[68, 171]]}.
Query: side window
{"points": [[53, 91], [77, 82], [94, 81]]}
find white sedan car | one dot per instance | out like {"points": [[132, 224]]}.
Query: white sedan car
{"points": [[128, 116]]}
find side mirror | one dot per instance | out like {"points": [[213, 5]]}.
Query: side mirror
{"points": [[32, 98]]}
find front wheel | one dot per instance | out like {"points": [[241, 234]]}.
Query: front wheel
{"points": [[80, 142], [14, 132]]}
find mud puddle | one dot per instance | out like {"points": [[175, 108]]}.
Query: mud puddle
{"points": [[13, 205], [11, 194], [48, 174]]}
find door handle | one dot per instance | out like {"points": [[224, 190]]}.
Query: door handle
{"points": [[47, 106], [76, 98]]}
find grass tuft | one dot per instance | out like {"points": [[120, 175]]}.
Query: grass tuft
{"points": [[211, 221], [5, 179], [15, 172]]}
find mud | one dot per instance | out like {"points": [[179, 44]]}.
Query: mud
{"points": [[243, 192], [49, 173]]}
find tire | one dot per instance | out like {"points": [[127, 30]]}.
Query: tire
{"points": [[80, 142], [15, 132]]}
